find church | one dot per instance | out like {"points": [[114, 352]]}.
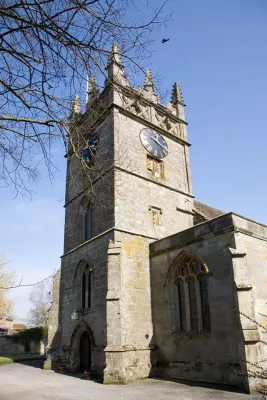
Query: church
{"points": [[152, 283]]}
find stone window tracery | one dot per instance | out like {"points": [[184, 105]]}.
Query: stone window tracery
{"points": [[191, 282]]}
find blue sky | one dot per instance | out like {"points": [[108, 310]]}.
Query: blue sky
{"points": [[217, 52]]}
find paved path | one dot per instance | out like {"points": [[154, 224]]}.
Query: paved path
{"points": [[26, 382]]}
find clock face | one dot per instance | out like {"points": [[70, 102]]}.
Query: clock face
{"points": [[154, 143], [89, 151]]}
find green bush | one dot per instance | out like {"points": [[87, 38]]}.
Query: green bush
{"points": [[38, 333], [25, 336]]}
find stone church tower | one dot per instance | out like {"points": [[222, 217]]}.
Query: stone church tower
{"points": [[152, 283], [132, 188]]}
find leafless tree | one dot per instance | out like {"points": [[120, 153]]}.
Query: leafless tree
{"points": [[40, 298], [7, 278], [47, 48]]}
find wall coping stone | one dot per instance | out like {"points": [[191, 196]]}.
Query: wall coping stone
{"points": [[229, 222]]}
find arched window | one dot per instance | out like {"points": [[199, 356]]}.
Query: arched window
{"points": [[193, 302], [83, 289], [86, 287], [86, 219]]}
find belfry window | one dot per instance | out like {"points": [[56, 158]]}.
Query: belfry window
{"points": [[192, 296], [86, 287], [155, 167], [86, 219]]}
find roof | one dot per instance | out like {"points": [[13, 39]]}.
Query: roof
{"points": [[19, 326], [206, 211]]}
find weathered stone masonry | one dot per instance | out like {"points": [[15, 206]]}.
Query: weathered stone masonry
{"points": [[132, 322]]}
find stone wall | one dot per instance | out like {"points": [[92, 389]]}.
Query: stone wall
{"points": [[98, 184], [10, 348], [95, 184], [206, 356], [250, 269], [128, 310], [93, 319], [136, 191], [53, 320], [235, 252]]}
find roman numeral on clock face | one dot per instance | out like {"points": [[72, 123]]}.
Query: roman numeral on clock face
{"points": [[154, 143]]}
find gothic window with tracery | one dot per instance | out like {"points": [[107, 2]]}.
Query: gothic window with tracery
{"points": [[192, 297]]}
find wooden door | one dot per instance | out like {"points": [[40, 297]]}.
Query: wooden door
{"points": [[85, 352]]}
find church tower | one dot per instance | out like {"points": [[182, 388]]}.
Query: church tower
{"points": [[128, 184]]}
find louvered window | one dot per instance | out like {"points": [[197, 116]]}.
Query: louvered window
{"points": [[155, 167]]}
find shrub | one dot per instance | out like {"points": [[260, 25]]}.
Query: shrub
{"points": [[25, 336]]}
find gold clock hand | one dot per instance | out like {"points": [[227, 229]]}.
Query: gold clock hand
{"points": [[155, 140]]}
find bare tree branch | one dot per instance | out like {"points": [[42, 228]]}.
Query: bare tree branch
{"points": [[20, 284], [47, 50]]}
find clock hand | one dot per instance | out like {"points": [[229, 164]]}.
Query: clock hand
{"points": [[155, 140]]}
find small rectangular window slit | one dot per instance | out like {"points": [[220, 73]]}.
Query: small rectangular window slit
{"points": [[155, 214]]}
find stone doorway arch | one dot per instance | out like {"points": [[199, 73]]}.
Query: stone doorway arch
{"points": [[82, 344]]}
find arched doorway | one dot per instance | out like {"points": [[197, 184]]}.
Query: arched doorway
{"points": [[82, 348], [85, 352]]}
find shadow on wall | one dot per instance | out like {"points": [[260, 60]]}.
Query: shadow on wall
{"points": [[54, 358], [169, 356]]}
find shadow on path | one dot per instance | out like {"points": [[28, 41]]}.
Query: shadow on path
{"points": [[207, 385], [39, 363]]}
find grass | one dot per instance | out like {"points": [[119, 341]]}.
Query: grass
{"points": [[6, 360], [12, 359]]}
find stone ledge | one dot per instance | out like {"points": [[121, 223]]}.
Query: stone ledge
{"points": [[243, 286], [125, 348], [185, 211], [251, 335], [158, 182], [113, 295], [236, 253]]}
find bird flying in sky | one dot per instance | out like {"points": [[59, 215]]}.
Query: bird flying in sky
{"points": [[165, 40]]}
